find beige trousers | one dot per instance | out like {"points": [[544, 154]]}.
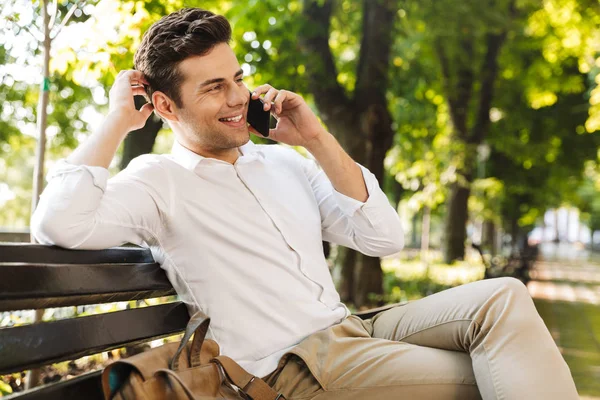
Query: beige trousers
{"points": [[480, 340]]}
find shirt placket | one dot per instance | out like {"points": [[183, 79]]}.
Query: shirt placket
{"points": [[261, 201]]}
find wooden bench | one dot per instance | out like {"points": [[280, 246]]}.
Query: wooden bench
{"points": [[37, 276]]}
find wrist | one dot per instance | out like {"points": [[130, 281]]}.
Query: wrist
{"points": [[319, 141], [118, 123]]}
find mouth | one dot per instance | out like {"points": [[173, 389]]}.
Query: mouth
{"points": [[235, 121]]}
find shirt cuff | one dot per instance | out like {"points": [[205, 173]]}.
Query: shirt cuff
{"points": [[349, 205], [99, 175]]}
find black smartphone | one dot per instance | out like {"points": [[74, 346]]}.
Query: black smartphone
{"points": [[257, 117]]}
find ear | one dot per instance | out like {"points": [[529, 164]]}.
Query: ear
{"points": [[164, 106]]}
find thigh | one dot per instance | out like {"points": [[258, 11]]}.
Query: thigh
{"points": [[385, 369], [444, 319], [345, 362]]}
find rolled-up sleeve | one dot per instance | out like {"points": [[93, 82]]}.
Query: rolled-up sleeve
{"points": [[81, 208], [372, 227]]}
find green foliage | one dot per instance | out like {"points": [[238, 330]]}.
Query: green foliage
{"points": [[412, 279], [544, 108], [544, 102], [5, 388], [16, 174], [588, 196]]}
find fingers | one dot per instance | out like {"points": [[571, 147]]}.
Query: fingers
{"points": [[138, 90], [278, 102], [270, 93], [261, 90], [146, 110], [273, 98], [135, 78], [268, 99]]}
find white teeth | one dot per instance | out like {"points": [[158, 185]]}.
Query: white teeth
{"points": [[234, 119]]}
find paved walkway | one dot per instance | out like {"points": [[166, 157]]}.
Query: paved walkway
{"points": [[566, 291]]}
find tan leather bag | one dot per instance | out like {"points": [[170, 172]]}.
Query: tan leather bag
{"points": [[184, 372]]}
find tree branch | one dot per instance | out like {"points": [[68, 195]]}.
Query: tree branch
{"points": [[446, 72], [329, 95], [53, 17], [466, 77], [374, 58], [489, 72], [67, 17], [459, 90]]}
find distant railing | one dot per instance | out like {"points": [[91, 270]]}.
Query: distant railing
{"points": [[14, 235]]}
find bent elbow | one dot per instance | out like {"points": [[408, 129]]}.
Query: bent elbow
{"points": [[396, 245], [385, 245], [382, 247], [52, 230]]}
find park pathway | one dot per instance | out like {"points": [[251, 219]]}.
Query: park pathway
{"points": [[565, 287]]}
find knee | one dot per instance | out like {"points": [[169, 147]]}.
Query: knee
{"points": [[512, 285], [513, 293]]}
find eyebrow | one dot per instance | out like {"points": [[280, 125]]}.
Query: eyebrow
{"points": [[218, 80]]}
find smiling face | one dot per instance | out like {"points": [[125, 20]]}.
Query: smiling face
{"points": [[211, 119]]}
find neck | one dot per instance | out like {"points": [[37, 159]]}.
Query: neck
{"points": [[229, 155]]}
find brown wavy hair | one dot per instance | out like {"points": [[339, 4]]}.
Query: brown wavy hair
{"points": [[175, 37]]}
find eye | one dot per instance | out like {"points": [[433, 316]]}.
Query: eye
{"points": [[240, 80], [216, 87]]}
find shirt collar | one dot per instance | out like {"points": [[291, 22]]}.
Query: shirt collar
{"points": [[189, 160]]}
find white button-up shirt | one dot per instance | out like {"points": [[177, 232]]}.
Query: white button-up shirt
{"points": [[242, 241]]}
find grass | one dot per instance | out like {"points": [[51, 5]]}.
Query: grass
{"points": [[576, 329]]}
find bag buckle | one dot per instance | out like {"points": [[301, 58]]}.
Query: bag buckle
{"points": [[279, 395]]}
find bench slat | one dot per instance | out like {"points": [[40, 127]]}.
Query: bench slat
{"points": [[39, 253], [26, 347], [87, 386], [37, 285]]}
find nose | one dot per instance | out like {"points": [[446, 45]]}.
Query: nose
{"points": [[237, 96]]}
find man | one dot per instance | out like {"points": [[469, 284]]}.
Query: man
{"points": [[239, 227]]}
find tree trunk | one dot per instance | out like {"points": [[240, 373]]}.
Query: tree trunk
{"points": [[140, 141], [556, 230], [346, 259], [425, 233], [568, 224], [33, 377], [368, 280], [458, 87], [362, 124], [488, 235], [456, 223], [413, 236], [42, 117], [514, 235]]}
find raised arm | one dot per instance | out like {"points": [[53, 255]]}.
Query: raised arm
{"points": [[354, 210], [122, 118], [80, 208]]}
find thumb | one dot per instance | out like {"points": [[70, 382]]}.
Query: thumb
{"points": [[146, 110]]}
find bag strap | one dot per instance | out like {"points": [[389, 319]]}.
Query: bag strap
{"points": [[197, 326], [251, 385], [171, 374]]}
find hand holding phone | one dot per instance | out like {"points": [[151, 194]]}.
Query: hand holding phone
{"points": [[257, 117]]}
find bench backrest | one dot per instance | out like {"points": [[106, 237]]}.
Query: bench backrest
{"points": [[37, 276]]}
